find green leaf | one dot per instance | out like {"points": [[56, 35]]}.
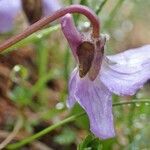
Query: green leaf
{"points": [[21, 95], [82, 122], [67, 137], [90, 143]]}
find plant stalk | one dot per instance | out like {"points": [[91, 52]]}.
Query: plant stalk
{"points": [[46, 20]]}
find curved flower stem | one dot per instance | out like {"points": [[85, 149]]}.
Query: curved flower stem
{"points": [[65, 121], [46, 20]]}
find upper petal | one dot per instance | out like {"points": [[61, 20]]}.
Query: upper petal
{"points": [[8, 10], [126, 72], [95, 98], [71, 33]]}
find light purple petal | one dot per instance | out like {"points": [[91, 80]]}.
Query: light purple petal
{"points": [[95, 98], [50, 6], [8, 11], [72, 88], [126, 72], [71, 33]]}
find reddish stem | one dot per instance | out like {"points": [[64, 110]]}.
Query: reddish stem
{"points": [[46, 20]]}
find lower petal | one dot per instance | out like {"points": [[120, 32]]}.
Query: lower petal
{"points": [[95, 98]]}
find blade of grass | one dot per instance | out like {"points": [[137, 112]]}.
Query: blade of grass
{"points": [[52, 74], [66, 64], [99, 9], [113, 13]]}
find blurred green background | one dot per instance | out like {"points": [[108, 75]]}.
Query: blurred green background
{"points": [[34, 76]]}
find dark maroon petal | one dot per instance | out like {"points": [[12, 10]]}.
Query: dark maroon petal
{"points": [[98, 57]]}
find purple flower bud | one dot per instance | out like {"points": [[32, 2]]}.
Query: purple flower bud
{"points": [[122, 74], [10, 8], [36, 9], [50, 6], [8, 11]]}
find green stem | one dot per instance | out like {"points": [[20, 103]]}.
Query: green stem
{"points": [[131, 102], [101, 6], [43, 132], [71, 2], [66, 64], [52, 74], [42, 57], [65, 121], [113, 13]]}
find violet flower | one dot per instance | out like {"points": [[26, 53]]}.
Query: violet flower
{"points": [[50, 6], [10, 8], [36, 9], [98, 76], [8, 11]]}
